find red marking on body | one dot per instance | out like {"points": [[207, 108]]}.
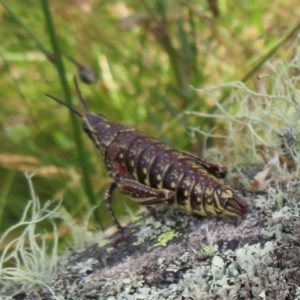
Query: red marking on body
{"points": [[120, 169]]}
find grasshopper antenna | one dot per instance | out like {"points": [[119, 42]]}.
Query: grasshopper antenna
{"points": [[79, 94], [72, 109]]}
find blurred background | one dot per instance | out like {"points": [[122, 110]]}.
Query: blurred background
{"points": [[136, 62]]}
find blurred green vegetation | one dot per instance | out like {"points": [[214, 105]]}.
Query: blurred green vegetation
{"points": [[146, 55]]}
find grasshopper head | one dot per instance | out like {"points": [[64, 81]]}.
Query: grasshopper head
{"points": [[92, 125]]}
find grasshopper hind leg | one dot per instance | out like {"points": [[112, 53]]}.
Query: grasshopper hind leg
{"points": [[138, 192]]}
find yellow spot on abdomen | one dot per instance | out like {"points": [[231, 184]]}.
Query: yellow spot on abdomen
{"points": [[198, 188]]}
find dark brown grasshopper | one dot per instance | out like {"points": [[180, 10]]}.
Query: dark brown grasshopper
{"points": [[151, 172]]}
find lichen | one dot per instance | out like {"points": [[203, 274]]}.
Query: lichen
{"points": [[24, 260], [164, 238]]}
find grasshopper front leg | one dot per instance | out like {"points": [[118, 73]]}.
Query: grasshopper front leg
{"points": [[107, 200]]}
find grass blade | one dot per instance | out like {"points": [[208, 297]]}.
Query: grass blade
{"points": [[77, 130]]}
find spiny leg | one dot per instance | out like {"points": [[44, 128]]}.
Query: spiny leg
{"points": [[144, 194], [138, 192], [107, 199]]}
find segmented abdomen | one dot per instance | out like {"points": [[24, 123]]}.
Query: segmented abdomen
{"points": [[157, 165]]}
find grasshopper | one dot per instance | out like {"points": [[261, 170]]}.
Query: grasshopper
{"points": [[151, 172]]}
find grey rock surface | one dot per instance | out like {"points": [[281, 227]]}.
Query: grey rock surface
{"points": [[181, 256]]}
